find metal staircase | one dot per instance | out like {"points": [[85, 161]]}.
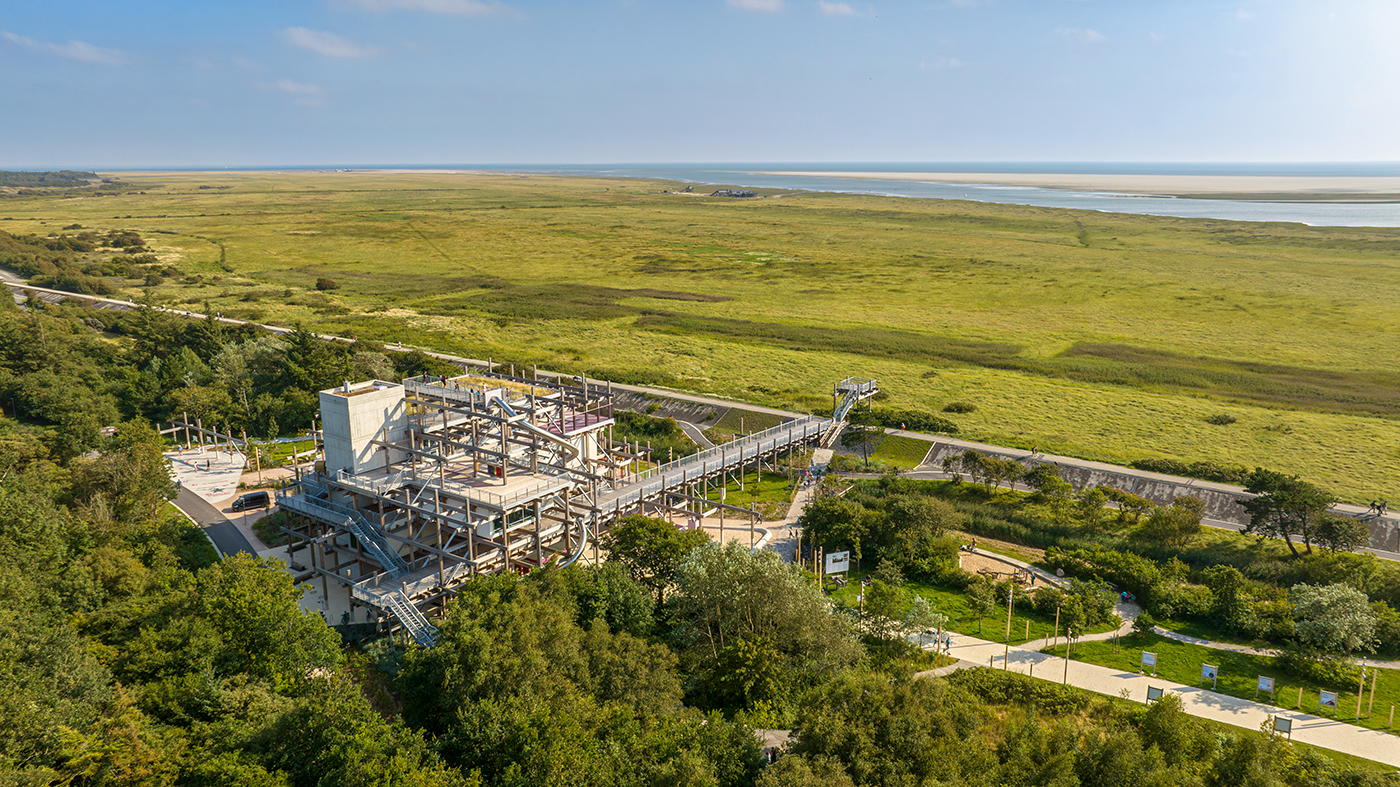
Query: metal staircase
{"points": [[392, 601], [370, 536], [418, 627], [852, 391]]}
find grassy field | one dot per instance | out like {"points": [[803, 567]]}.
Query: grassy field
{"points": [[1026, 623], [1180, 662], [1105, 336]]}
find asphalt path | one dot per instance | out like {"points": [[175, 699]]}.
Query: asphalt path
{"points": [[697, 434], [227, 538]]}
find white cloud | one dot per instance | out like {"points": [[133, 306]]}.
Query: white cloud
{"points": [[836, 9], [455, 7], [326, 44], [73, 50], [764, 6], [941, 64], [1243, 15], [303, 92], [1080, 34]]}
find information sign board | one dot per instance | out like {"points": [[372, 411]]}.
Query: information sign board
{"points": [[838, 562]]}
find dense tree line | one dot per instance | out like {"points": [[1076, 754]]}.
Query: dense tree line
{"points": [[130, 655], [60, 368]]}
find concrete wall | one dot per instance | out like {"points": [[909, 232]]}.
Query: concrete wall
{"points": [[351, 419]]}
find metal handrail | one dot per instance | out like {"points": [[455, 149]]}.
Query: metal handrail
{"points": [[351, 520], [722, 451], [698, 466]]}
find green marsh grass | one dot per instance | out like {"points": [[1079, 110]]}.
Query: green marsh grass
{"points": [[1114, 351]]}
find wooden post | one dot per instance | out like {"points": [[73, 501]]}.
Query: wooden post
{"points": [[1066, 678], [1370, 706], [1055, 637], [1010, 599], [1300, 698]]}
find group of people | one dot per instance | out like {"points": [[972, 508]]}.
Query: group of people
{"points": [[1380, 508]]}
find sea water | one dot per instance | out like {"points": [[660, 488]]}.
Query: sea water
{"points": [[1325, 214]]}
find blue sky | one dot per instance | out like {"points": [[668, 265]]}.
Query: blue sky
{"points": [[111, 83]]}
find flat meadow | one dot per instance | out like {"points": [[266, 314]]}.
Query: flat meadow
{"points": [[1106, 336]]}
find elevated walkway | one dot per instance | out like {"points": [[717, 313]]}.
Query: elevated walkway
{"points": [[730, 456]]}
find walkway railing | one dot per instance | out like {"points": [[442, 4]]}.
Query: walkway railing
{"points": [[350, 519], [722, 458]]}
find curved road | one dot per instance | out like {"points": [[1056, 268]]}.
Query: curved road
{"points": [[227, 538]]}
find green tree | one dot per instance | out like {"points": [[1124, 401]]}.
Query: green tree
{"points": [[652, 549], [885, 608], [727, 593], [1334, 619], [130, 477], [981, 599], [834, 522], [1284, 506], [1232, 603], [1089, 503], [252, 604], [997, 472], [1175, 524], [795, 770], [1338, 533]]}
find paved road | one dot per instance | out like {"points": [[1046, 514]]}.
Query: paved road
{"points": [[227, 538], [697, 434]]}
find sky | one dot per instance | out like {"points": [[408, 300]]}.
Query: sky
{"points": [[246, 83]]}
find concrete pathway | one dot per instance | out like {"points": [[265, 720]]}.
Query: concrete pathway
{"points": [[784, 540], [1326, 733], [211, 474]]}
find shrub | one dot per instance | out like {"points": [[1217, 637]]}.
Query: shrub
{"points": [[1045, 600], [960, 407], [1220, 419], [1176, 600], [1206, 471], [1144, 623], [325, 283], [1314, 668], [1002, 687], [914, 420]]}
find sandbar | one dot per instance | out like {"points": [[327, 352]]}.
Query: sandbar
{"points": [[1142, 184]]}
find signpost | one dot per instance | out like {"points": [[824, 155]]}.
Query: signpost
{"points": [[1153, 694], [1284, 726], [1149, 660], [1210, 672], [1264, 684]]}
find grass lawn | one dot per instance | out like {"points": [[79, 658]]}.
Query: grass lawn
{"points": [[1107, 336], [1181, 662], [774, 494], [953, 603]]}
